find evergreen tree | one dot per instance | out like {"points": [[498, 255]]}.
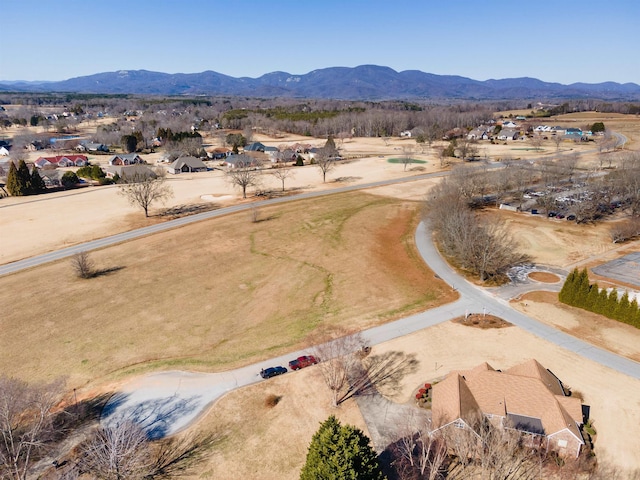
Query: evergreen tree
{"points": [[582, 289], [634, 313], [340, 453], [622, 310], [24, 178], [612, 303], [69, 180], [568, 291], [13, 184], [37, 183], [603, 302], [593, 298]]}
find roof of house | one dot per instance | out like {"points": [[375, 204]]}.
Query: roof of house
{"points": [[254, 147], [508, 132], [130, 170], [125, 156], [191, 162], [527, 394]]}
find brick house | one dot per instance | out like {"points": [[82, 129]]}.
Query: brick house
{"points": [[526, 397]]}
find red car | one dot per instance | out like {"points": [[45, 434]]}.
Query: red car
{"points": [[302, 362]]}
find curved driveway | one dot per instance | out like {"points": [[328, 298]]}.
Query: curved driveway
{"points": [[167, 402]]}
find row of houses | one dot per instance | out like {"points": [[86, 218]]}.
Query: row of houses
{"points": [[509, 132], [82, 161]]}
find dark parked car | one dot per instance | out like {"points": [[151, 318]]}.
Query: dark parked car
{"points": [[302, 362], [552, 214], [571, 217], [272, 371], [560, 215]]}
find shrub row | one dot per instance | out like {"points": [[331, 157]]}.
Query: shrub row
{"points": [[578, 292]]}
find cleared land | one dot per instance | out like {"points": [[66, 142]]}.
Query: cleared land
{"points": [[219, 293]]}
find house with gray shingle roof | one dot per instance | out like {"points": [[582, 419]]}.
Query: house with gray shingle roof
{"points": [[126, 159], [186, 165]]}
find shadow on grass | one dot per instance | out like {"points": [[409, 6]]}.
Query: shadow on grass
{"points": [[102, 272], [188, 209]]}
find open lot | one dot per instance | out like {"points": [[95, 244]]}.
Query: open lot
{"points": [[219, 293]]}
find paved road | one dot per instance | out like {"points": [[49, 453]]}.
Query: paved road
{"points": [[179, 222], [167, 402]]}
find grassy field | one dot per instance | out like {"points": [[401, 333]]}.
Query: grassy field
{"points": [[220, 293]]}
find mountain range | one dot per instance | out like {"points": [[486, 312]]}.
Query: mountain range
{"points": [[365, 82]]}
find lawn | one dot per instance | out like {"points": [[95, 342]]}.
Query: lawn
{"points": [[220, 293]]}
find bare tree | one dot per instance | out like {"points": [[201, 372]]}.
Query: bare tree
{"points": [[423, 449], [118, 451], [557, 139], [282, 173], [467, 149], [481, 245], [337, 359], [568, 165], [245, 174], [325, 163], [406, 156], [536, 141], [123, 450], [142, 189], [625, 230], [83, 265], [25, 424]]}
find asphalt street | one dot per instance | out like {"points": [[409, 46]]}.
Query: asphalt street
{"points": [[165, 403]]}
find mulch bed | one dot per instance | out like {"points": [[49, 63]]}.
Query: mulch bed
{"points": [[478, 320], [544, 277]]}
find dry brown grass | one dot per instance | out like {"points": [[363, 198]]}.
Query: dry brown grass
{"points": [[270, 443], [544, 277], [219, 293]]}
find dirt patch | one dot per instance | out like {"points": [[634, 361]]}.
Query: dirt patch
{"points": [[596, 329], [544, 277], [479, 320]]}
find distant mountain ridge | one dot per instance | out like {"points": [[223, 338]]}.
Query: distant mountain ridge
{"points": [[365, 82]]}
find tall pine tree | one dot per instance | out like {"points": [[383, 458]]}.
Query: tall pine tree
{"points": [[340, 453], [612, 303], [567, 293], [622, 311], [24, 178], [37, 183], [13, 184]]}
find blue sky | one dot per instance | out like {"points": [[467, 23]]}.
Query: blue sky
{"points": [[554, 40]]}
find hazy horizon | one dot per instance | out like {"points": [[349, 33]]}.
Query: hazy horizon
{"points": [[560, 43]]}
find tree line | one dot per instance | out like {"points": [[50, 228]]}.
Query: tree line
{"points": [[578, 292], [476, 243]]}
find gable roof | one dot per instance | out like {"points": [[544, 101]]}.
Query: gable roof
{"points": [[525, 394], [533, 369], [455, 401], [191, 162], [58, 158]]}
